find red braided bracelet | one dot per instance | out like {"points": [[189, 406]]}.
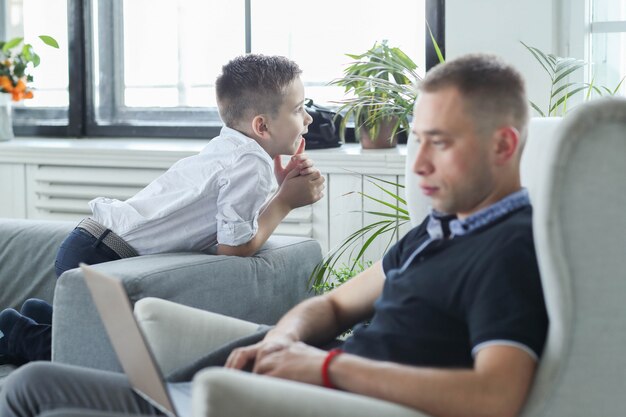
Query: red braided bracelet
{"points": [[325, 377]]}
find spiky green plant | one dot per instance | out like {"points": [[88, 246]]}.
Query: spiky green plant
{"points": [[383, 83], [393, 214], [561, 89]]}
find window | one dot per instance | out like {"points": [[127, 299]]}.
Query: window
{"points": [[607, 47], [29, 19], [147, 67]]}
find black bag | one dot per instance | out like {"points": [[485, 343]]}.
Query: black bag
{"points": [[323, 132]]}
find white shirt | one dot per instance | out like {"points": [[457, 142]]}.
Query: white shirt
{"points": [[213, 197]]}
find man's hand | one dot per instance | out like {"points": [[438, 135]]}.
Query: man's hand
{"points": [[298, 161], [239, 358], [298, 362]]}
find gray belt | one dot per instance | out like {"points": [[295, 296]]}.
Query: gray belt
{"points": [[110, 239]]}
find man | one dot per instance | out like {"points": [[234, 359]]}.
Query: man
{"points": [[456, 310]]}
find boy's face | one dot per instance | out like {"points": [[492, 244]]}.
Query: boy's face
{"points": [[287, 127]]}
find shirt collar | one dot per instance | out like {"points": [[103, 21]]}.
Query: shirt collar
{"points": [[441, 225], [232, 133], [243, 139]]}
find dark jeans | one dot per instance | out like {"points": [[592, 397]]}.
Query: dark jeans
{"points": [[81, 246], [30, 341]]}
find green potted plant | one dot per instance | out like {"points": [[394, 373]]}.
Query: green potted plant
{"points": [[382, 82], [15, 61], [561, 89]]}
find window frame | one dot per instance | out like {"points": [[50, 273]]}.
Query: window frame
{"points": [[79, 119]]}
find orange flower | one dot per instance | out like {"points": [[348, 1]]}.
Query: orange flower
{"points": [[21, 86], [6, 84], [18, 92]]}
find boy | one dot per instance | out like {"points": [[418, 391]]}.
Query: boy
{"points": [[215, 201]]}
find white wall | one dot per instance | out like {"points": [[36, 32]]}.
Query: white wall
{"points": [[497, 26]]}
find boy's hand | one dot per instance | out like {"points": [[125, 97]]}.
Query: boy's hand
{"points": [[301, 190], [298, 161]]}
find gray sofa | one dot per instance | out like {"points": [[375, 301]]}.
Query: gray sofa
{"points": [[259, 288]]}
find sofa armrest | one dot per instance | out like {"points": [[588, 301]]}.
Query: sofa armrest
{"points": [[226, 393], [259, 289], [27, 252]]}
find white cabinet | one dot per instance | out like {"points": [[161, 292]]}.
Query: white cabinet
{"points": [[55, 178]]}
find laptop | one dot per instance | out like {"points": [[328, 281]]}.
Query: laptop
{"points": [[133, 353]]}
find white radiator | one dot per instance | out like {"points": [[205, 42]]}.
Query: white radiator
{"points": [[62, 193]]}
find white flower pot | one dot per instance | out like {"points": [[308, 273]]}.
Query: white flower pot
{"points": [[6, 121]]}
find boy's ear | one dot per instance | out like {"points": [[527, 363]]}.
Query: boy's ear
{"points": [[259, 126]]}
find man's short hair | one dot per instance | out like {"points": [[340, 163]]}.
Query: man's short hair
{"points": [[253, 84], [493, 91]]}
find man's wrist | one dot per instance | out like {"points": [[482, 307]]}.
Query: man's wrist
{"points": [[276, 334], [326, 379]]}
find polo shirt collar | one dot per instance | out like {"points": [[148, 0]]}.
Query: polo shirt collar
{"points": [[441, 225]]}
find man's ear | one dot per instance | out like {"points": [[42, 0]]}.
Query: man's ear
{"points": [[507, 142], [259, 126]]}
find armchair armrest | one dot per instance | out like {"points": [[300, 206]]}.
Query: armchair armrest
{"points": [[227, 393], [258, 289], [178, 334]]}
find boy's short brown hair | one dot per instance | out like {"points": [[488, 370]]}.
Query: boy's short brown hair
{"points": [[494, 92], [253, 84]]}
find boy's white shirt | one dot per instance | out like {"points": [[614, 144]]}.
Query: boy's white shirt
{"points": [[213, 197]]}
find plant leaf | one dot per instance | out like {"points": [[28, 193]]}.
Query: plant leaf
{"points": [[49, 40], [565, 97], [435, 45], [390, 193], [590, 89], [567, 72], [618, 86], [564, 87], [11, 44], [542, 59], [537, 109]]}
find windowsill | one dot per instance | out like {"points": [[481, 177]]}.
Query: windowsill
{"points": [[162, 153]]}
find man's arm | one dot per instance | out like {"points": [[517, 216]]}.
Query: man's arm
{"points": [[302, 186], [496, 387], [318, 319]]}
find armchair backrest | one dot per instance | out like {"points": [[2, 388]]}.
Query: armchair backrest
{"points": [[580, 237]]}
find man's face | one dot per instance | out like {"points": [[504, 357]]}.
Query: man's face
{"points": [[287, 127], [454, 164]]}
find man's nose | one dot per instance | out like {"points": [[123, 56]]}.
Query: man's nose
{"points": [[422, 165]]}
